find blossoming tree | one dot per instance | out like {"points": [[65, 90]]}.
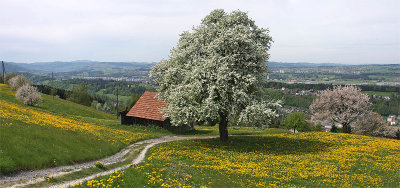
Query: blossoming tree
{"points": [[343, 105], [215, 71]]}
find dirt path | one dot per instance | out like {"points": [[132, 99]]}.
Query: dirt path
{"points": [[32, 177]]}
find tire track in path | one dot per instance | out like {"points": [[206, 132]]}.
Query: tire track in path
{"points": [[32, 177]]}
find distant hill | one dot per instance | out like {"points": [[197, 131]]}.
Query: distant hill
{"points": [[273, 64], [86, 68], [92, 66], [15, 67], [74, 66]]}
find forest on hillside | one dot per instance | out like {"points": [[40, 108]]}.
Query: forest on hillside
{"points": [[385, 99]]}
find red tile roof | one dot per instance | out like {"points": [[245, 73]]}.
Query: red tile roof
{"points": [[148, 107]]}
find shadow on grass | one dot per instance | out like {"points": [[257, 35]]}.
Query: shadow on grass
{"points": [[268, 144], [196, 132], [245, 133]]}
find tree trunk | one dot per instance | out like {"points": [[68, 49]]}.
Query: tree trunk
{"points": [[223, 127], [346, 128], [334, 128]]}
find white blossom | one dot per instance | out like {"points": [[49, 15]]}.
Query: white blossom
{"points": [[260, 114], [17, 82], [215, 71], [343, 105], [29, 95]]}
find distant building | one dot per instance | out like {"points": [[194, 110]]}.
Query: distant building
{"points": [[305, 92], [392, 120], [328, 126]]}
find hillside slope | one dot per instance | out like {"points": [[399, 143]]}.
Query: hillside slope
{"points": [[57, 132]]}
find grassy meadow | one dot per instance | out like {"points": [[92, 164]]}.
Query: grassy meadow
{"points": [[58, 132], [269, 159]]}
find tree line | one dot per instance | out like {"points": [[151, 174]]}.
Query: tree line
{"points": [[303, 86], [385, 107], [126, 88]]}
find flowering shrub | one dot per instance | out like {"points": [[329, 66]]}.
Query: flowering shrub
{"points": [[29, 95], [9, 76], [391, 132], [260, 114], [341, 105], [372, 124], [17, 82]]}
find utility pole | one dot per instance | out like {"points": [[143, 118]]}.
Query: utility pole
{"points": [[117, 102], [52, 86], [4, 72]]}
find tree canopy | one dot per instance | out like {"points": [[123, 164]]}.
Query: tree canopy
{"points": [[80, 95], [296, 121], [215, 71], [342, 105]]}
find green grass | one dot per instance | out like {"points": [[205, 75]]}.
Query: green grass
{"points": [[88, 171], [58, 106], [232, 130], [28, 146], [313, 159], [67, 108], [123, 99], [199, 131], [34, 145]]}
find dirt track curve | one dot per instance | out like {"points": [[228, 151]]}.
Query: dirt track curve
{"points": [[32, 177]]}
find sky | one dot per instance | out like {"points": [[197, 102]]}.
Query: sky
{"points": [[316, 31]]}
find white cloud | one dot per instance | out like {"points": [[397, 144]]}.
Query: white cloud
{"points": [[355, 31]]}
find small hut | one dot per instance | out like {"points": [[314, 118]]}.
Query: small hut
{"points": [[147, 110]]}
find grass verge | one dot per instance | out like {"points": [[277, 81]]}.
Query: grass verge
{"points": [[89, 171]]}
